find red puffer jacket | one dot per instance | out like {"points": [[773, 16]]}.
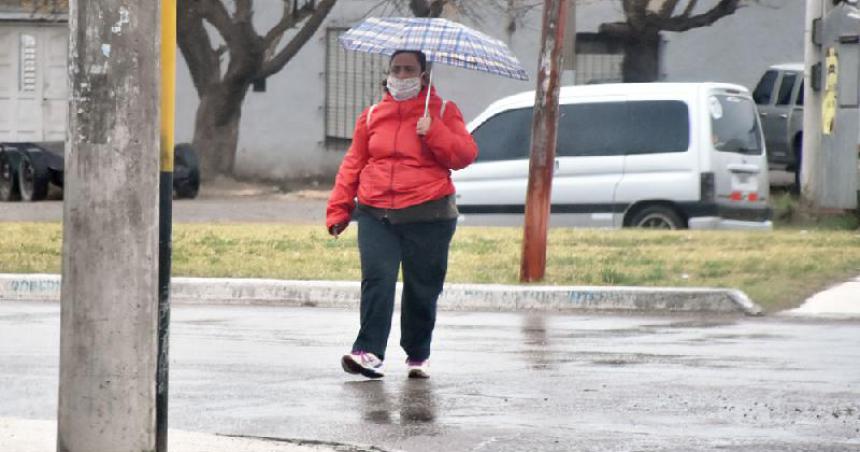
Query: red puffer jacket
{"points": [[390, 166]]}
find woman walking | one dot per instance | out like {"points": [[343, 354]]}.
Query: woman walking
{"points": [[398, 167]]}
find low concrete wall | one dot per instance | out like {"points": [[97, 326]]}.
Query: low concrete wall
{"points": [[458, 297]]}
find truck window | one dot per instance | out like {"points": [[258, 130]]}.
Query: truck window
{"points": [[505, 136], [734, 125], [785, 88], [764, 90]]}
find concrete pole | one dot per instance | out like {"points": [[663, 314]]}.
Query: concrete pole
{"points": [[811, 163], [544, 127], [110, 230]]}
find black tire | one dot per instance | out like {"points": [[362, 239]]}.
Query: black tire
{"points": [[33, 177], [657, 217], [186, 172], [9, 176], [798, 160]]}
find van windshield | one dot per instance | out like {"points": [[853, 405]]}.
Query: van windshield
{"points": [[734, 125]]}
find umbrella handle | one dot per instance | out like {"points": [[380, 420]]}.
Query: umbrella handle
{"points": [[427, 100]]}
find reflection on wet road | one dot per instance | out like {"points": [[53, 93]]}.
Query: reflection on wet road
{"points": [[500, 382]]}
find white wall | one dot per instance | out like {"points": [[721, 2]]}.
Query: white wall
{"points": [[282, 129]]}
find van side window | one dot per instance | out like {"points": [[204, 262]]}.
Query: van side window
{"points": [[764, 90], [785, 88], [800, 93], [591, 129], [657, 126], [623, 128], [505, 136]]}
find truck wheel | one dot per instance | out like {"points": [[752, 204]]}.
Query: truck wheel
{"points": [[33, 177], [9, 177], [657, 217], [186, 171]]}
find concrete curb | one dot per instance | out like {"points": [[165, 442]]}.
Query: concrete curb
{"points": [[456, 297]]}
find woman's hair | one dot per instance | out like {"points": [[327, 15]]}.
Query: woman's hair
{"points": [[422, 59]]}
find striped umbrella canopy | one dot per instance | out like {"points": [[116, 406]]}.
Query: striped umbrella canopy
{"points": [[442, 40]]}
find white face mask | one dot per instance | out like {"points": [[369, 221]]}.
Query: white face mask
{"points": [[403, 89]]}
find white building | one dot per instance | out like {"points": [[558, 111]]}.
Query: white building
{"points": [[299, 126]]}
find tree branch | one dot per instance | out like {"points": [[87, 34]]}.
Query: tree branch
{"points": [[195, 45], [305, 33], [274, 36], [722, 9], [668, 7], [216, 14]]}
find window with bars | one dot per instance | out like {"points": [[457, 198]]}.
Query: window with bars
{"points": [[353, 82]]}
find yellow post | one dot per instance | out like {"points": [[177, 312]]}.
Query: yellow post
{"points": [[165, 215], [168, 81]]}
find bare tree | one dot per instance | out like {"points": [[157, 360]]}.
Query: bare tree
{"points": [[639, 32], [222, 88], [646, 19]]}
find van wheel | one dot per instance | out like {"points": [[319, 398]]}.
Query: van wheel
{"points": [[33, 177], [798, 160], [657, 217], [8, 177]]}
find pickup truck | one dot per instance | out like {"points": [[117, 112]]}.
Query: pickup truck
{"points": [[779, 98]]}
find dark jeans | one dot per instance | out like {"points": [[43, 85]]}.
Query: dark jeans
{"points": [[422, 248]]}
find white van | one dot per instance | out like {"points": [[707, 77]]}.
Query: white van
{"points": [[663, 155]]}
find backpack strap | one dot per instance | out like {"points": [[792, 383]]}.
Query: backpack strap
{"points": [[370, 113]]}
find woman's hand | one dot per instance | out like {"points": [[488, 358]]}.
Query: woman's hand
{"points": [[423, 125], [336, 229]]}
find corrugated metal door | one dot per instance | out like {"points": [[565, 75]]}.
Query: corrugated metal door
{"points": [[33, 83]]}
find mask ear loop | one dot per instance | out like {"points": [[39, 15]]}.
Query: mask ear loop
{"points": [[427, 100]]}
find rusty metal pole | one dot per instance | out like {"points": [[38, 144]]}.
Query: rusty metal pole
{"points": [[544, 126]]}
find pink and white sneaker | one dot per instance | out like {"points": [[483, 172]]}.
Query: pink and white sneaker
{"points": [[360, 362], [418, 369]]}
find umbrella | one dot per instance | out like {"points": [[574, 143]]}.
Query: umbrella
{"points": [[442, 40]]}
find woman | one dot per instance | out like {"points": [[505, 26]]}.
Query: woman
{"points": [[399, 167]]}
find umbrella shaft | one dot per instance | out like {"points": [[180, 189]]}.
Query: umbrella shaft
{"points": [[427, 99]]}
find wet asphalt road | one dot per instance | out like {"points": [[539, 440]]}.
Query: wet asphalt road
{"points": [[501, 382]]}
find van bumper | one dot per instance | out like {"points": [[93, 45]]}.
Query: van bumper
{"points": [[723, 223]]}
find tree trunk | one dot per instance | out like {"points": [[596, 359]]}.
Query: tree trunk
{"points": [[641, 57], [216, 132]]}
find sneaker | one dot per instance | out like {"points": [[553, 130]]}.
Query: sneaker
{"points": [[418, 369], [359, 362]]}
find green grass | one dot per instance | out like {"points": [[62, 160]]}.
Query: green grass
{"points": [[777, 269]]}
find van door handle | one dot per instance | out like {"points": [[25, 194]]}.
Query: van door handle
{"points": [[556, 164], [743, 168], [783, 116]]}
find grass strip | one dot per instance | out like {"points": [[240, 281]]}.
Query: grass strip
{"points": [[777, 269]]}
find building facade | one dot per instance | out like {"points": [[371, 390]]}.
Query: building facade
{"points": [[300, 124]]}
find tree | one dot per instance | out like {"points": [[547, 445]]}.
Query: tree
{"points": [[251, 57], [639, 32], [645, 19]]}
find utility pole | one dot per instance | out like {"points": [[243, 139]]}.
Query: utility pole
{"points": [[544, 127], [831, 105], [810, 165], [110, 230], [165, 217]]}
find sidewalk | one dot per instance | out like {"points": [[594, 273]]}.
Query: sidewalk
{"points": [[26, 435], [841, 300]]}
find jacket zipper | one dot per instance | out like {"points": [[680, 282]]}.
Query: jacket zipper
{"points": [[394, 155]]}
